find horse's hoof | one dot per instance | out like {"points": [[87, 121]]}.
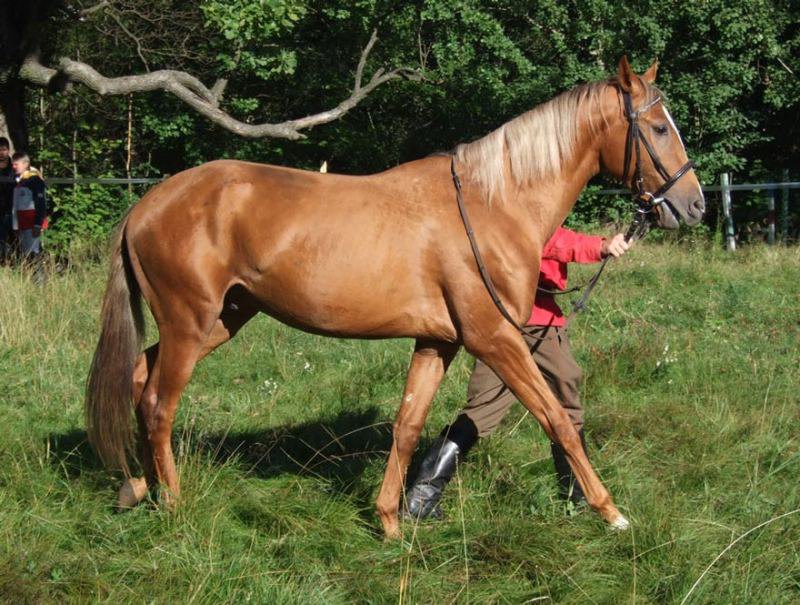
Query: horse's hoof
{"points": [[133, 491], [620, 523], [167, 499], [391, 533]]}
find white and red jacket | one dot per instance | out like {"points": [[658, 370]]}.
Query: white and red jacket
{"points": [[29, 206]]}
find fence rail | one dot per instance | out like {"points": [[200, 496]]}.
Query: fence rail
{"points": [[95, 180], [105, 181], [718, 188]]}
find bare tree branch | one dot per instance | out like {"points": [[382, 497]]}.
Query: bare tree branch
{"points": [[34, 72], [85, 12], [363, 59], [75, 71], [130, 34], [218, 90], [206, 102]]}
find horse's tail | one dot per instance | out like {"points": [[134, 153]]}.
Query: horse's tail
{"points": [[109, 387]]}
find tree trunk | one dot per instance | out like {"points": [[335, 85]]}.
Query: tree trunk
{"points": [[3, 126], [12, 113], [20, 26]]}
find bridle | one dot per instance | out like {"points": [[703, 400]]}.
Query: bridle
{"points": [[646, 203]]}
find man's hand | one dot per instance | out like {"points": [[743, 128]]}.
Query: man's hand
{"points": [[616, 246]]}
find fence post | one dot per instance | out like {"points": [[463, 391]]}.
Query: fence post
{"points": [[771, 217], [785, 208], [724, 181]]}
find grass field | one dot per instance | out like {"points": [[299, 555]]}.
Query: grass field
{"points": [[691, 363]]}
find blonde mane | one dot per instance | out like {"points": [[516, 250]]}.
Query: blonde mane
{"points": [[538, 142]]}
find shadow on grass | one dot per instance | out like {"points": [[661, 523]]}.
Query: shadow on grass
{"points": [[72, 452], [335, 449]]}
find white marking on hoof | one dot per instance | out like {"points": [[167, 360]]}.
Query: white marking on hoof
{"points": [[620, 523], [131, 493]]}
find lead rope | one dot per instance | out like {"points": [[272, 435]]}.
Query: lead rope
{"points": [[637, 230], [645, 201], [639, 226]]}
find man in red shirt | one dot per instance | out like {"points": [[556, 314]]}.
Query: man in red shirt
{"points": [[488, 399]]}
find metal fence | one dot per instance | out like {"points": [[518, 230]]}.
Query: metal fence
{"points": [[777, 223]]}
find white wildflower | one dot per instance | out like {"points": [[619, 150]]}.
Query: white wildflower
{"points": [[269, 387], [666, 358]]}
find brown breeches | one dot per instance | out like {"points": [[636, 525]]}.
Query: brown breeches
{"points": [[488, 399]]}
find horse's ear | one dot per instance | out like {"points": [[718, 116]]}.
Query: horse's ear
{"points": [[650, 75], [625, 74]]}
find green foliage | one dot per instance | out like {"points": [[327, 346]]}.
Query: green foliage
{"points": [[67, 143], [251, 33], [83, 214], [727, 70], [690, 363]]}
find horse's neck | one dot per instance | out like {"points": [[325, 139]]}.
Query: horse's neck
{"points": [[541, 206]]}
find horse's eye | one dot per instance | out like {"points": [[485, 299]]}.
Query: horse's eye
{"points": [[660, 129]]}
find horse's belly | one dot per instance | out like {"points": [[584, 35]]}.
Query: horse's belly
{"points": [[347, 292], [363, 268], [351, 308]]}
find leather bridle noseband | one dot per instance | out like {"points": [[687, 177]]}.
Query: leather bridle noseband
{"points": [[645, 200]]}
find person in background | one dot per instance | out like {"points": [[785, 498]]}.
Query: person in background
{"points": [[488, 399], [7, 182], [29, 207]]}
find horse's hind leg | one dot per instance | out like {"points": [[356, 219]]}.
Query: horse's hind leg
{"points": [[428, 365], [145, 394], [145, 372]]}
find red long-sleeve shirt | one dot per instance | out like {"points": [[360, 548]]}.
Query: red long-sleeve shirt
{"points": [[564, 247]]}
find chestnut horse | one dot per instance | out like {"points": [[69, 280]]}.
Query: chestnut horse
{"points": [[379, 256]]}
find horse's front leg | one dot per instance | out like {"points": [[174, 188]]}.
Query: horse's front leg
{"points": [[505, 352], [428, 365]]}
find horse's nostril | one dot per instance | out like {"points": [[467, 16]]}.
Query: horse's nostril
{"points": [[699, 206]]}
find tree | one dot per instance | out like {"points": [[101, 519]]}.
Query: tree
{"points": [[242, 23], [728, 71]]}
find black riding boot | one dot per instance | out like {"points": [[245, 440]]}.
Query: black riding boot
{"points": [[568, 487], [437, 468]]}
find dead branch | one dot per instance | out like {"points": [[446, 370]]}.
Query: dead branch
{"points": [[205, 101]]}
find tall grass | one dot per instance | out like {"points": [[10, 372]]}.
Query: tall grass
{"points": [[691, 363]]}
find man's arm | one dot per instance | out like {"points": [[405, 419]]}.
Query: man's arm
{"points": [[569, 246]]}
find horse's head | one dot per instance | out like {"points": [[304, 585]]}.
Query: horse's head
{"points": [[644, 150]]}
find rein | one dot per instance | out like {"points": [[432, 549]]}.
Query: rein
{"points": [[646, 203], [487, 279]]}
